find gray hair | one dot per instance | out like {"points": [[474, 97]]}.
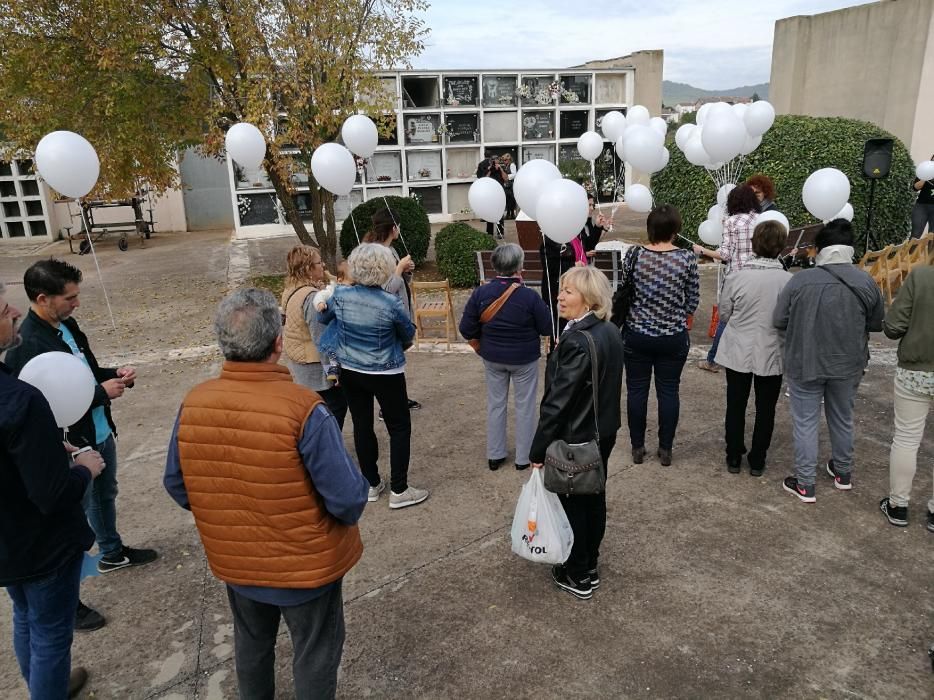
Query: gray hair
{"points": [[508, 259], [371, 264], [247, 324]]}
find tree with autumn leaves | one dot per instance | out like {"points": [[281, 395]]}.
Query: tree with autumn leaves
{"points": [[142, 80]]}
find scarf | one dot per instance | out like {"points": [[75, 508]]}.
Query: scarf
{"points": [[834, 255], [580, 254], [764, 263]]}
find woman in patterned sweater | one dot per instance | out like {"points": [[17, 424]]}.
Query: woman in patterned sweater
{"points": [[665, 291]]}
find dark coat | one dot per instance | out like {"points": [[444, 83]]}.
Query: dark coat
{"points": [[567, 406], [514, 335], [40, 337], [42, 522]]}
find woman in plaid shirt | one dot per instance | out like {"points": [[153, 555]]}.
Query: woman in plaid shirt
{"points": [[742, 209]]}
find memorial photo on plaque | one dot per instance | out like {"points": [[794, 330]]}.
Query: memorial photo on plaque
{"points": [[575, 88], [499, 90], [460, 91], [573, 123], [538, 125], [422, 128], [461, 128]]}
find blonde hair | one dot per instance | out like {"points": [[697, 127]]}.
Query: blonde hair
{"points": [[300, 265], [593, 286]]}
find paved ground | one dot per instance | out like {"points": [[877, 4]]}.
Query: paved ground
{"points": [[714, 585]]}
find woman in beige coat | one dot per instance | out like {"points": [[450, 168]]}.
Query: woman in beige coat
{"points": [[751, 347]]}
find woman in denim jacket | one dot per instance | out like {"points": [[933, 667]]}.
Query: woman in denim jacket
{"points": [[368, 330]]}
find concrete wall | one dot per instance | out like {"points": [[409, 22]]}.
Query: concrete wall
{"points": [[873, 62]]}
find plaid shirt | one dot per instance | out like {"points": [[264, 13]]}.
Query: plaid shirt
{"points": [[736, 248]]}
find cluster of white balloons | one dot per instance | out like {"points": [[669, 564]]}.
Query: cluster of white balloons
{"points": [[639, 138], [724, 131]]}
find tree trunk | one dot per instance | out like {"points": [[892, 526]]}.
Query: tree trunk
{"points": [[288, 203], [322, 218]]}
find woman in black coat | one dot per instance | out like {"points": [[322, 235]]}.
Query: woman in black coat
{"points": [[568, 412]]}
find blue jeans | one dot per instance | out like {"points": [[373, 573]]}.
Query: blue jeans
{"points": [[100, 502], [43, 627], [712, 354], [665, 355]]}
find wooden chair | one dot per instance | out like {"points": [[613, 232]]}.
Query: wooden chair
{"points": [[874, 263], [438, 304], [893, 272], [914, 252]]}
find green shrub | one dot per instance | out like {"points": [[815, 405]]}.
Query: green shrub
{"points": [[790, 151], [412, 219], [456, 247]]}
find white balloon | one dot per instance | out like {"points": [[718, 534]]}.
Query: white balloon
{"points": [[750, 144], [639, 198], [529, 182], [719, 108], [694, 150], [682, 134], [246, 145], [612, 124], [487, 198], [739, 109], [638, 115], [724, 192], [723, 135], [65, 381], [925, 170], [759, 117], [642, 148], [68, 162], [708, 233], [360, 135], [664, 157], [334, 168], [702, 113], [715, 213], [846, 212], [825, 192], [773, 215], [562, 210], [590, 145], [620, 147], [660, 125]]}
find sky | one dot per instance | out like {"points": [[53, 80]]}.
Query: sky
{"points": [[710, 44]]}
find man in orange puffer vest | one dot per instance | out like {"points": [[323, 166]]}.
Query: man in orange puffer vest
{"points": [[260, 462]]}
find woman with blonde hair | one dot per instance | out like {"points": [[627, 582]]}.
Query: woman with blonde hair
{"points": [[301, 330], [569, 412]]}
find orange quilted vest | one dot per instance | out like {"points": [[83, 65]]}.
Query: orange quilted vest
{"points": [[260, 519]]}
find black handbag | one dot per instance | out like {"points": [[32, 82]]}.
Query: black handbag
{"points": [[622, 300], [578, 469]]}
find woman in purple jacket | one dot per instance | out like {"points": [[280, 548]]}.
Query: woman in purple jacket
{"points": [[510, 345]]}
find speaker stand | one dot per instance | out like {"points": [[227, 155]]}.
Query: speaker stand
{"points": [[870, 240]]}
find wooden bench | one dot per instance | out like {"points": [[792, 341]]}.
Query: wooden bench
{"points": [[609, 262]]}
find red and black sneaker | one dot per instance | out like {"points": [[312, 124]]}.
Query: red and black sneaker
{"points": [[805, 493], [841, 480]]}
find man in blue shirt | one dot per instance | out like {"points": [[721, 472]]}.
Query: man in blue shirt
{"points": [[53, 291]]}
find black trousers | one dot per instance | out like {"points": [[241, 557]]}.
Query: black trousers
{"points": [[587, 515], [664, 356], [738, 385], [336, 403], [390, 393], [499, 228], [317, 632]]}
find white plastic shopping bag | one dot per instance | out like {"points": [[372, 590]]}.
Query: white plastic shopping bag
{"points": [[540, 529]]}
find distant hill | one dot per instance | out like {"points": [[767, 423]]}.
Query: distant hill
{"points": [[673, 93]]}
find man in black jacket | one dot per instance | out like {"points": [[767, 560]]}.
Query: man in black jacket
{"points": [[52, 288], [43, 530]]}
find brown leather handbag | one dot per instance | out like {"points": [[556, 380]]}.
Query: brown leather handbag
{"points": [[490, 311]]}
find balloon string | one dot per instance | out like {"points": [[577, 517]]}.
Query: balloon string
{"points": [[352, 221], [593, 177], [100, 277], [396, 224]]}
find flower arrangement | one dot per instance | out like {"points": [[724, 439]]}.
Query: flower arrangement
{"points": [[570, 96], [243, 205], [524, 91], [452, 101], [424, 172], [416, 197], [504, 99], [442, 128]]}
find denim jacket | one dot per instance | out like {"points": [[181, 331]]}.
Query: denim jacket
{"points": [[367, 329]]}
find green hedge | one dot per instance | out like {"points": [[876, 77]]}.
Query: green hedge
{"points": [[412, 220], [790, 151], [456, 247]]}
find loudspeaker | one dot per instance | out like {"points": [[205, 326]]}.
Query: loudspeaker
{"points": [[877, 158]]}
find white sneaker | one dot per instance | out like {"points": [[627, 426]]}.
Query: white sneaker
{"points": [[375, 491], [410, 497]]}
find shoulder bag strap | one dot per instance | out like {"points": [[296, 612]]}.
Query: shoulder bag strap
{"points": [[594, 376], [493, 309], [848, 286], [285, 306]]}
